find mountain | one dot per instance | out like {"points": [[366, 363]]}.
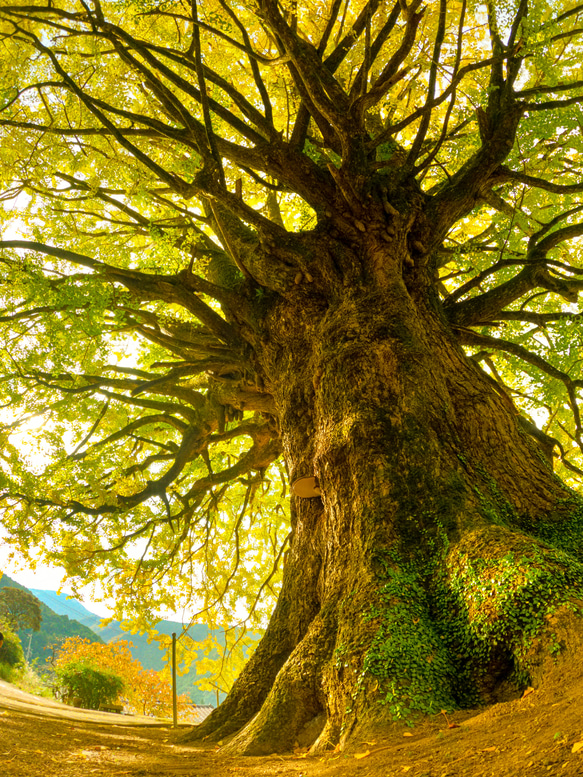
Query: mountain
{"points": [[63, 605], [54, 628], [147, 652]]}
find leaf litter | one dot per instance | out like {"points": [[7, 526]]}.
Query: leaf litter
{"points": [[537, 734]]}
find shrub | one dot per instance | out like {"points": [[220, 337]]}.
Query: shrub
{"points": [[11, 653], [82, 684], [7, 673]]}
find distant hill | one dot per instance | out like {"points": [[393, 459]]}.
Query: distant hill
{"points": [[148, 654], [63, 605], [55, 627]]}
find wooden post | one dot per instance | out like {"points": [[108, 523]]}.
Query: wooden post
{"points": [[174, 701]]}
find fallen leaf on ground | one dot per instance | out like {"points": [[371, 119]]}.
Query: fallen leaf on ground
{"points": [[488, 750], [576, 747], [527, 692], [407, 734], [362, 755]]}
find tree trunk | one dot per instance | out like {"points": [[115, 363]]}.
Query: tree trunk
{"points": [[418, 579]]}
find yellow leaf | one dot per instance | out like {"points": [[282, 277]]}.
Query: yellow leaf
{"points": [[407, 734], [576, 747], [362, 755]]}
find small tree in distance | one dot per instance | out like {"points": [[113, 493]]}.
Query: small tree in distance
{"points": [[20, 608], [152, 694]]}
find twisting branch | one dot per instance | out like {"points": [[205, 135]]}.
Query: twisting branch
{"points": [[176, 183], [468, 337], [252, 61], [165, 287], [210, 135], [424, 125], [540, 183]]}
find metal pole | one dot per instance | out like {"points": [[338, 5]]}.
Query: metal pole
{"points": [[174, 701]]}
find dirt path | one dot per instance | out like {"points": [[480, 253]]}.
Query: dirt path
{"points": [[523, 738]]}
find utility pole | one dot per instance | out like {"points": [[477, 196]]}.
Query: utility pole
{"points": [[174, 700]]}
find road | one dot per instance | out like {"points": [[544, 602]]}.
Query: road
{"points": [[11, 698]]}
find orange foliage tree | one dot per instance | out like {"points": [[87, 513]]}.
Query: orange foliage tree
{"points": [[146, 691]]}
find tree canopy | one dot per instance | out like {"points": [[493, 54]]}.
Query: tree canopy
{"points": [[189, 187], [20, 609]]}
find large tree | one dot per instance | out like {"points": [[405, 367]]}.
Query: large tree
{"points": [[342, 235]]}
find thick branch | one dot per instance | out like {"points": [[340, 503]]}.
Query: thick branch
{"points": [[144, 286]]}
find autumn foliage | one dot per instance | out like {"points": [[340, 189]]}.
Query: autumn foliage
{"points": [[146, 691]]}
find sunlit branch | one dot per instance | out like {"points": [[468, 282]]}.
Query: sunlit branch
{"points": [[565, 87], [540, 183], [252, 60], [92, 431], [426, 117], [392, 73], [395, 129], [261, 455], [553, 104], [335, 59], [219, 34], [177, 183], [541, 319], [126, 431], [144, 285], [334, 11], [328, 97], [476, 280], [469, 337]]}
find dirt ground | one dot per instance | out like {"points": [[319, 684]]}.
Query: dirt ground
{"points": [[539, 734]]}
